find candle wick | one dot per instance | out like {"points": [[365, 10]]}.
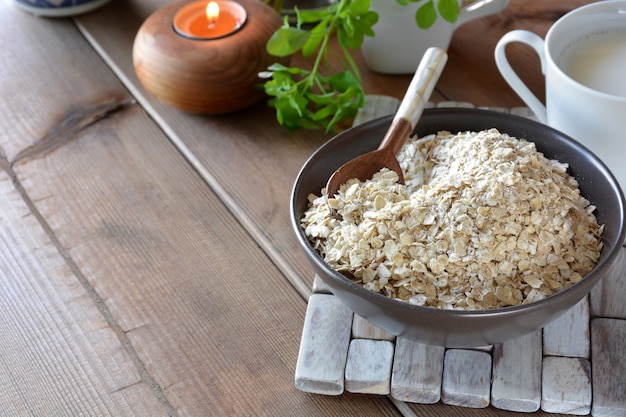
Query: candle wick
{"points": [[212, 23]]}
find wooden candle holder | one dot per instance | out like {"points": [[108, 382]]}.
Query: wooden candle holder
{"points": [[205, 76]]}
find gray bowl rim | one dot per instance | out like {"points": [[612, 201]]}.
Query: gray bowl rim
{"points": [[339, 279]]}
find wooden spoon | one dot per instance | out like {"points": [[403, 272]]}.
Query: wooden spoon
{"points": [[421, 87]]}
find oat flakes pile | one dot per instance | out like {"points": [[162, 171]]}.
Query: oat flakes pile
{"points": [[483, 221]]}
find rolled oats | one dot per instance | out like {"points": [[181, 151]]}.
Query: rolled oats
{"points": [[483, 221]]}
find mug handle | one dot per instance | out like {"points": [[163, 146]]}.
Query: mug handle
{"points": [[511, 77], [480, 9]]}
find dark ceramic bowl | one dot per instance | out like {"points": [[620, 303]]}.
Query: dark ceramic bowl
{"points": [[453, 328]]}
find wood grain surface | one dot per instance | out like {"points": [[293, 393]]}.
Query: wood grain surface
{"points": [[147, 262], [128, 286]]}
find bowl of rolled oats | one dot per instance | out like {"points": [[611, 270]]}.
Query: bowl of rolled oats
{"points": [[501, 226]]}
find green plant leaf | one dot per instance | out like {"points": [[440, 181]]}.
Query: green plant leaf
{"points": [[277, 66], [347, 25], [365, 23], [351, 64], [321, 99], [343, 80], [290, 110], [287, 41], [351, 31], [449, 10], [315, 38], [310, 99], [426, 15], [359, 7], [313, 16]]}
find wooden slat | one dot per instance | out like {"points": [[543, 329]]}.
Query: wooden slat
{"points": [[35, 55], [191, 317], [61, 353], [320, 287], [267, 156], [215, 323], [466, 378], [417, 372], [363, 329], [324, 346], [516, 379], [368, 367], [608, 364], [566, 385], [58, 354], [569, 334], [607, 298]]}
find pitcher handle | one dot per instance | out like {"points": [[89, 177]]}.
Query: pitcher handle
{"points": [[511, 77], [480, 9]]}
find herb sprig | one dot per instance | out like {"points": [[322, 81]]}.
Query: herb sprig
{"points": [[308, 98], [426, 14]]}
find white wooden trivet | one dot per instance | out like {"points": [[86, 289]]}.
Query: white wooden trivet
{"points": [[516, 379], [569, 334], [605, 300], [324, 346], [417, 372], [363, 329], [368, 369], [573, 366], [566, 385], [466, 378], [608, 366]]}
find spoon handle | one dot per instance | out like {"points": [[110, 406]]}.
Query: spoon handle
{"points": [[415, 99]]}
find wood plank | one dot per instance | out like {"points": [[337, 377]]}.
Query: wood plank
{"points": [[368, 367], [324, 346], [267, 156], [466, 378], [566, 385], [516, 378], [58, 354], [209, 316], [608, 364], [417, 372], [35, 53], [569, 335], [61, 353]]}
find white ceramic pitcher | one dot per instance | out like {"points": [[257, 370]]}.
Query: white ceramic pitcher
{"points": [[399, 43]]}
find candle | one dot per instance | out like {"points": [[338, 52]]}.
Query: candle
{"points": [[209, 20], [180, 68]]}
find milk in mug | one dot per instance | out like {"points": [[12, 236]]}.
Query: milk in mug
{"points": [[583, 58], [598, 61]]}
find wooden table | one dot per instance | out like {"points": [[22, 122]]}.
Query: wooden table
{"points": [[147, 264]]}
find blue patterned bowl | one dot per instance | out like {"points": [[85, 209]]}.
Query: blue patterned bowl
{"points": [[59, 8]]}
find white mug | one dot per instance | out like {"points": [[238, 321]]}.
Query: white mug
{"points": [[583, 59], [399, 43]]}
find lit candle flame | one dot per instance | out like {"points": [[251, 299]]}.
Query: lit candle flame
{"points": [[212, 13]]}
